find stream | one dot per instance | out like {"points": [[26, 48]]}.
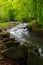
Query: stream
{"points": [[21, 34]]}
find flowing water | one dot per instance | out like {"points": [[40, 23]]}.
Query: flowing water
{"points": [[21, 34]]}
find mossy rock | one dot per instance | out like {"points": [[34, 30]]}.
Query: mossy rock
{"points": [[8, 40], [32, 47], [35, 27], [0, 30], [34, 59], [16, 52], [27, 54], [4, 35], [9, 44], [19, 49]]}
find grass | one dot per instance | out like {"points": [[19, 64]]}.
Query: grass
{"points": [[5, 25]]}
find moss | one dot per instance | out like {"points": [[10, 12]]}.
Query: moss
{"points": [[36, 26], [32, 48], [6, 25], [34, 59]]}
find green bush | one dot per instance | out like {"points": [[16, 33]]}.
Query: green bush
{"points": [[21, 10]]}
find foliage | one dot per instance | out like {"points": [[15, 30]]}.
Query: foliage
{"points": [[15, 9], [38, 9], [20, 10]]}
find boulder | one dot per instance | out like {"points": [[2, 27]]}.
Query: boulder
{"points": [[10, 42], [16, 52], [27, 54], [34, 59], [19, 54], [32, 48]]}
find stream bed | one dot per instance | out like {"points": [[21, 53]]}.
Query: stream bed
{"points": [[21, 34]]}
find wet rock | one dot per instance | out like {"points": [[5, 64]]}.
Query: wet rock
{"points": [[2, 48], [27, 54], [34, 59], [36, 28], [1, 58], [10, 61], [0, 30], [2, 63], [4, 35], [5, 40], [31, 47], [18, 53], [29, 28], [9, 44], [1, 41], [16, 43]]}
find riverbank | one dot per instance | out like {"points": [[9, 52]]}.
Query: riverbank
{"points": [[35, 27], [12, 53], [6, 25]]}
